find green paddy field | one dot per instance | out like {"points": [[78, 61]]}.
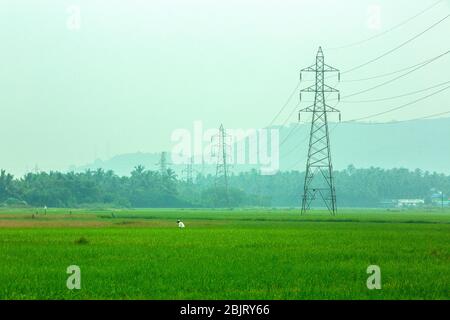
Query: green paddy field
{"points": [[224, 254]]}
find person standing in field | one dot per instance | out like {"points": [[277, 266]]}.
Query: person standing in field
{"points": [[180, 224]]}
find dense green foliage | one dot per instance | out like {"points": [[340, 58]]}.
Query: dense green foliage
{"points": [[223, 254], [145, 188]]}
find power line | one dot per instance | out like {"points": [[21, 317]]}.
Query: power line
{"points": [[282, 109], [383, 123], [397, 47], [389, 30], [396, 78], [427, 117], [434, 115], [303, 140], [293, 128], [290, 134], [387, 74], [221, 180], [290, 115], [301, 160], [417, 67], [319, 180], [299, 122], [399, 107], [399, 96], [286, 104], [384, 74], [360, 66], [296, 146]]}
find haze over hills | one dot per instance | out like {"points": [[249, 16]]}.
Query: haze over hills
{"points": [[423, 144], [200, 65]]}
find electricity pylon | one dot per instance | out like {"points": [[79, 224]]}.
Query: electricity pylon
{"points": [[221, 180], [163, 164], [319, 169], [189, 171]]}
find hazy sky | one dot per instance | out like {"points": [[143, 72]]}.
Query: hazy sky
{"points": [[134, 71]]}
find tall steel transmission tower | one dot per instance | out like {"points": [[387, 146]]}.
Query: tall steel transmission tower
{"points": [[221, 180], [163, 164], [319, 182], [189, 171]]}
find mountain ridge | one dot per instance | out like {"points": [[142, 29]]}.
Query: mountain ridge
{"points": [[418, 144]]}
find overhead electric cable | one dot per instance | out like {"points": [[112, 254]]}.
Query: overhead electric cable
{"points": [[285, 104], [388, 30], [398, 77], [434, 115], [397, 47], [399, 107], [398, 96], [387, 74]]}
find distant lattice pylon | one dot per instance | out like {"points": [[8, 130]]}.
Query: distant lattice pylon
{"points": [[163, 164], [221, 179], [189, 171]]}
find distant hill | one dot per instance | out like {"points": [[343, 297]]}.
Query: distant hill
{"points": [[123, 164], [423, 144]]}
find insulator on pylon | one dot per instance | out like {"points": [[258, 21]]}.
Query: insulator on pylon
{"points": [[339, 76], [340, 117], [300, 76], [339, 96], [300, 96], [299, 116]]}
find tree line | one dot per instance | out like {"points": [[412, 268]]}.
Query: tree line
{"points": [[370, 187]]}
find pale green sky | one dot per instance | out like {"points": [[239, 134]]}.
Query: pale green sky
{"points": [[137, 70]]}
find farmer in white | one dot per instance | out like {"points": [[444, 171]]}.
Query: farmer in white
{"points": [[180, 224]]}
